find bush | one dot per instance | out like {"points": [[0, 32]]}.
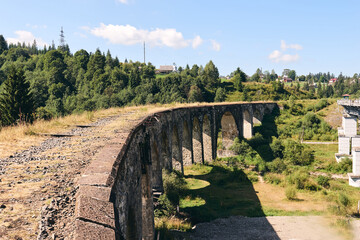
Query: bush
{"points": [[299, 179], [344, 200], [164, 207], [239, 147], [272, 178], [276, 166], [323, 181], [174, 186], [295, 153], [311, 185], [290, 193]]}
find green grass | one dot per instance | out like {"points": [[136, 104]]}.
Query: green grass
{"points": [[277, 212], [324, 152], [220, 192]]}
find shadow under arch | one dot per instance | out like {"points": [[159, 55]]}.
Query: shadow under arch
{"points": [[165, 151], [229, 193], [264, 133]]}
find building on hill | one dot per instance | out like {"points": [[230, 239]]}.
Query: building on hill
{"points": [[287, 80], [332, 81], [164, 69]]}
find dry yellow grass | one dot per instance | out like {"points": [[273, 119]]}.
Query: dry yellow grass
{"points": [[20, 137], [273, 196]]}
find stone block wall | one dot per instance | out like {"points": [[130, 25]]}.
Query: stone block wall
{"points": [[115, 199]]}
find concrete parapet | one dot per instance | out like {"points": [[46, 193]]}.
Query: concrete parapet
{"points": [[339, 157], [354, 180]]}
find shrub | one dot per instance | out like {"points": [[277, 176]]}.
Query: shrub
{"points": [[290, 193], [164, 207], [272, 178], [240, 147], [277, 148], [344, 200], [295, 153], [299, 179], [311, 185], [276, 166], [323, 181], [174, 186]]}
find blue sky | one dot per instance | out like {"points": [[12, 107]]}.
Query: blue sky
{"points": [[307, 36]]}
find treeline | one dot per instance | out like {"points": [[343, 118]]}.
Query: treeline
{"points": [[58, 82], [61, 82]]}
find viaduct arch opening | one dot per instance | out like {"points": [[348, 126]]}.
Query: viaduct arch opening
{"points": [[229, 130]]}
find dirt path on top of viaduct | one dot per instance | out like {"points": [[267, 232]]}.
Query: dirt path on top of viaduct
{"points": [[38, 185]]}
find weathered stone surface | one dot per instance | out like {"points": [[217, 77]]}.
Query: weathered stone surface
{"points": [[131, 165], [96, 179], [91, 231], [94, 210], [100, 193]]}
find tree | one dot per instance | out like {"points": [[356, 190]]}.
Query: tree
{"points": [[239, 77], [15, 101], [220, 95], [292, 74], [211, 75], [3, 44], [82, 58], [195, 94]]}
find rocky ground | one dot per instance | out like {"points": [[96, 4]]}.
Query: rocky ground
{"points": [[38, 185]]}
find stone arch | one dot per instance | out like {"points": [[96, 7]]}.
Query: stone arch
{"points": [[165, 153], [247, 124], [157, 166], [186, 144], [229, 129], [197, 149], [175, 150], [206, 137], [257, 117]]}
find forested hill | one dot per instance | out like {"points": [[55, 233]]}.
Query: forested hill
{"points": [[49, 82]]}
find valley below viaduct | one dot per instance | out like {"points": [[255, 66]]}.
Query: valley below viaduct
{"points": [[115, 196]]}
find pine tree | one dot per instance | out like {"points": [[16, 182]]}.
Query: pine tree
{"points": [[3, 44], [15, 101]]}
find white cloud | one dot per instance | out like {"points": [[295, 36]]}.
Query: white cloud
{"points": [[27, 37], [285, 46], [281, 56], [129, 35], [197, 41], [36, 26], [123, 1], [215, 45], [277, 56]]}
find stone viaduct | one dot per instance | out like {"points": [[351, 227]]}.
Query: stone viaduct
{"points": [[115, 196]]}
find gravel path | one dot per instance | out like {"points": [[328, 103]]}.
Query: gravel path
{"points": [[37, 185], [283, 227]]}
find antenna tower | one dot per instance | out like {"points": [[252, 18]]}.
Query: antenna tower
{"points": [[62, 38]]}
